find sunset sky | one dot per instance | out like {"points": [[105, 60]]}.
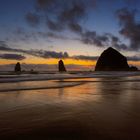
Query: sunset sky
{"points": [[77, 31]]}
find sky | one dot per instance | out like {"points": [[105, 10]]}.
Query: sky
{"points": [[77, 31]]}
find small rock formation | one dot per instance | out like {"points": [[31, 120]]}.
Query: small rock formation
{"points": [[133, 68], [112, 60], [17, 67], [61, 66]]}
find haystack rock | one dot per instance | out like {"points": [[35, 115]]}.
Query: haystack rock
{"points": [[61, 66], [112, 60], [17, 67]]}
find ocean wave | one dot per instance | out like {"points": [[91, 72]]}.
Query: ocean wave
{"points": [[42, 77], [41, 87]]}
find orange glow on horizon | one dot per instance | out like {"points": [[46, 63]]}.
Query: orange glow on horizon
{"points": [[49, 61], [53, 61], [134, 63]]}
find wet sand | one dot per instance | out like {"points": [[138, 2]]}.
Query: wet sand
{"points": [[89, 110]]}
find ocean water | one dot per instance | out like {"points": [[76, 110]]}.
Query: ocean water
{"points": [[103, 105]]}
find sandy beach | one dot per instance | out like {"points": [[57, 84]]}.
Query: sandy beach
{"points": [[85, 108]]}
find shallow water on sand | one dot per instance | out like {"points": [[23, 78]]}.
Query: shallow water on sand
{"points": [[88, 108]]}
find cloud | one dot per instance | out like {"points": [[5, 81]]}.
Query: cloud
{"points": [[41, 53], [104, 40], [33, 19], [83, 57], [54, 26], [5, 47], [26, 35], [52, 18], [91, 37], [43, 4], [115, 42], [133, 58], [75, 27], [38, 53], [54, 35], [12, 56], [63, 15], [51, 54], [130, 28], [72, 13]]}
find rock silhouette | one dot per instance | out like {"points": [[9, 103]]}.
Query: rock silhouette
{"points": [[61, 66], [17, 67], [133, 68], [112, 60]]}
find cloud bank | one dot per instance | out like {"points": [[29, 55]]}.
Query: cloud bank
{"points": [[39, 53], [63, 15], [12, 56], [47, 54], [129, 27]]}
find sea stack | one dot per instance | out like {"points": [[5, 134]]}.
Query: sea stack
{"points": [[112, 60], [61, 66], [17, 67]]}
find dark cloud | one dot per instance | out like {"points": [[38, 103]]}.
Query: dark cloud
{"points": [[67, 17], [130, 28], [75, 27], [48, 54], [88, 37], [12, 56], [115, 42], [44, 4], [131, 2], [26, 36], [61, 15], [91, 37], [53, 35], [106, 39], [54, 25], [33, 19], [5, 47], [83, 57], [38, 53], [73, 13], [133, 58]]}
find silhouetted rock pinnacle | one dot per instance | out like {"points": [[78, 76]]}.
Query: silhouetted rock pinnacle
{"points": [[111, 60], [61, 66], [17, 67]]}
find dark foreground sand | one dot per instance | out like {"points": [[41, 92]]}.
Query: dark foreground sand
{"points": [[90, 111]]}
